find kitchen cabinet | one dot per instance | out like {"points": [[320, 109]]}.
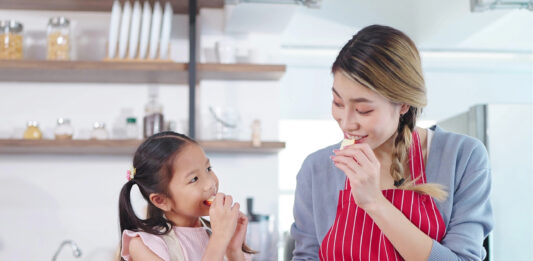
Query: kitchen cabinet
{"points": [[164, 72]]}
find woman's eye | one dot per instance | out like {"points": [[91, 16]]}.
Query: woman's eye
{"points": [[209, 169], [194, 179], [365, 112]]}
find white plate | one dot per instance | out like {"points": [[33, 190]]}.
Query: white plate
{"points": [[124, 30], [114, 27], [145, 30], [155, 32], [135, 29], [165, 31]]}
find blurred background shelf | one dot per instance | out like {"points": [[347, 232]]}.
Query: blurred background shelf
{"points": [[122, 147], [179, 6], [131, 72]]}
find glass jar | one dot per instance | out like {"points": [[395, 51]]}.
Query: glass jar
{"points": [[11, 40], [64, 130], [99, 131], [32, 131], [58, 39], [132, 131]]}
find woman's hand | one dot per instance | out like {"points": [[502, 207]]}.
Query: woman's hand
{"points": [[224, 216], [234, 251], [362, 168]]}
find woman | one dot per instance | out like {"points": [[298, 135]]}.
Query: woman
{"points": [[400, 192]]}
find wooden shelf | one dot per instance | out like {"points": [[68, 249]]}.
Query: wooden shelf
{"points": [[122, 147], [131, 72], [179, 6]]}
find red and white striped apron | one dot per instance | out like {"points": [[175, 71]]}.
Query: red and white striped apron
{"points": [[355, 236]]}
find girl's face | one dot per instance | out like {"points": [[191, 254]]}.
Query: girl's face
{"points": [[193, 182], [363, 114]]}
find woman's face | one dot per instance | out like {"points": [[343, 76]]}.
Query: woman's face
{"points": [[363, 114], [193, 182]]}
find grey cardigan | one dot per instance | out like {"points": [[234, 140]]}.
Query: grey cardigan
{"points": [[458, 162]]}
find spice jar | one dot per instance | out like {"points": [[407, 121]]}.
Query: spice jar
{"points": [[32, 131], [10, 40], [99, 132], [58, 39], [64, 130]]}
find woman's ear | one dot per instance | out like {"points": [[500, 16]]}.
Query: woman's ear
{"points": [[404, 109], [160, 201]]}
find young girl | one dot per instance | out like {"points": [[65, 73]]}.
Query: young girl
{"points": [[179, 185]]}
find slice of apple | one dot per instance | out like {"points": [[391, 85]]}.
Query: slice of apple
{"points": [[347, 142], [209, 201]]}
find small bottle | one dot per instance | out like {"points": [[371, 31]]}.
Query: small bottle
{"points": [[64, 130], [256, 133], [58, 43], [32, 131], [11, 40], [99, 132], [132, 131], [153, 121]]}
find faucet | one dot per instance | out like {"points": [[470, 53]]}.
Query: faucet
{"points": [[76, 251]]}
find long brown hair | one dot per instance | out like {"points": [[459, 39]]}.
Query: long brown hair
{"points": [[153, 163], [387, 61]]}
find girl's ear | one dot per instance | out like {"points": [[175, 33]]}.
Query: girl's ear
{"points": [[160, 201]]}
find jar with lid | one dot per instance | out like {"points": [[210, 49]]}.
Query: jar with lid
{"points": [[132, 131], [32, 131], [58, 39], [64, 130], [11, 40], [99, 131]]}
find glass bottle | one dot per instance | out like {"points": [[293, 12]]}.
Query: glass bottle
{"points": [[132, 131], [11, 40], [99, 131], [153, 121], [58, 39], [32, 131], [64, 130]]}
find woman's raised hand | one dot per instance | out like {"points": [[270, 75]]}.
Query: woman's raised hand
{"points": [[362, 168]]}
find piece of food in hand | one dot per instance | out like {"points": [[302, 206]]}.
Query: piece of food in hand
{"points": [[347, 142], [209, 201]]}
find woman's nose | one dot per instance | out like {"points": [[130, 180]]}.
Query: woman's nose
{"points": [[349, 120]]}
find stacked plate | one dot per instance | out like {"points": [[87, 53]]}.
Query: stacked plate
{"points": [[140, 32]]}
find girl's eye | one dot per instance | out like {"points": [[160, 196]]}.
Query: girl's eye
{"points": [[194, 179], [337, 104], [209, 169]]}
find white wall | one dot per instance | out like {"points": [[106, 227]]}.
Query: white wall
{"points": [[48, 198]]}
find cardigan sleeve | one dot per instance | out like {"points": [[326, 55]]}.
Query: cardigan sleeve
{"points": [[471, 219]]}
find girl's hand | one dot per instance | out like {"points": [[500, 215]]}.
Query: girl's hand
{"points": [[362, 168], [223, 217], [238, 239]]}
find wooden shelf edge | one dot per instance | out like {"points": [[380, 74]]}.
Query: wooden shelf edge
{"points": [[111, 71], [123, 147]]}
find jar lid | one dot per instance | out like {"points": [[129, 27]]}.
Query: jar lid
{"points": [[13, 26], [99, 125], [33, 124], [58, 21], [61, 121], [131, 120]]}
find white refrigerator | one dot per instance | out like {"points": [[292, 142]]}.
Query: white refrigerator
{"points": [[507, 132]]}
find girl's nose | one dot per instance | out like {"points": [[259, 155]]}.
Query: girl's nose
{"points": [[210, 184]]}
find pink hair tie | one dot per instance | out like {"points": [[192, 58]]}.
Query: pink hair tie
{"points": [[130, 174]]}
